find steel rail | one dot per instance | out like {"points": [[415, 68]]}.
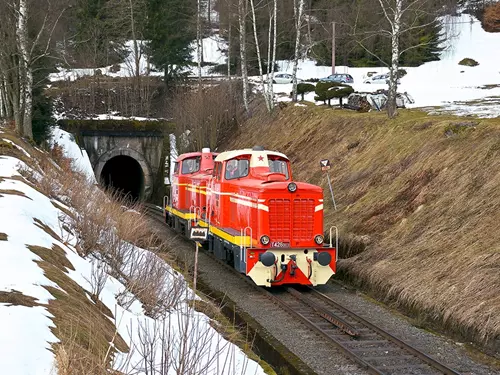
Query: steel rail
{"points": [[401, 344]]}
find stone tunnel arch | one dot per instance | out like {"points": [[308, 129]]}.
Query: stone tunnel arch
{"points": [[125, 170]]}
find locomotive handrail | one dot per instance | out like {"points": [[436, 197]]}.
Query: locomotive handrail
{"points": [[243, 235], [165, 202], [336, 241], [196, 211]]}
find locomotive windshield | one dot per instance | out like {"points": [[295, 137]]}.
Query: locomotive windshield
{"points": [[277, 165], [237, 168], [191, 165]]}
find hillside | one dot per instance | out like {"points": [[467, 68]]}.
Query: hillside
{"points": [[418, 206], [84, 285]]}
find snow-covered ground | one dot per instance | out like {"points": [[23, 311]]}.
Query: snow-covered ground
{"points": [[454, 88], [443, 84], [26, 335]]}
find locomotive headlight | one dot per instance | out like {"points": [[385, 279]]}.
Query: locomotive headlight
{"points": [[292, 187], [319, 239], [264, 240]]}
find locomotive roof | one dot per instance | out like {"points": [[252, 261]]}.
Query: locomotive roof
{"points": [[188, 155], [223, 156]]}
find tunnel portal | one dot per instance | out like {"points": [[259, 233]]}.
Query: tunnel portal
{"points": [[124, 175]]}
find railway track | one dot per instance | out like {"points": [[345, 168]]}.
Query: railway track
{"points": [[374, 349], [371, 347]]}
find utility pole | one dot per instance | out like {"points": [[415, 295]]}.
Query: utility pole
{"points": [[333, 47]]}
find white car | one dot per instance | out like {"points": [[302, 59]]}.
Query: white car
{"points": [[378, 79], [284, 78]]}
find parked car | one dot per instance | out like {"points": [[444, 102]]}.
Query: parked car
{"points": [[284, 78], [379, 79], [340, 78]]}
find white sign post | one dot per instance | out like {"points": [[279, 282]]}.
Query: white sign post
{"points": [[197, 233], [325, 167]]}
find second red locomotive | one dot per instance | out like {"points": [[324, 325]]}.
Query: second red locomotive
{"points": [[259, 220]]}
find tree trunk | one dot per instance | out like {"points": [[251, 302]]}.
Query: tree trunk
{"points": [[298, 9], [273, 58], [243, 51], [28, 104], [229, 52], [199, 52], [25, 76], [393, 75], [259, 59]]}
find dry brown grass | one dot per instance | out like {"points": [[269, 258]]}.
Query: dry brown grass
{"points": [[3, 237], [427, 204], [16, 298], [13, 192]]}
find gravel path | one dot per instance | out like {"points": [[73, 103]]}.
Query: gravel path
{"points": [[310, 348]]}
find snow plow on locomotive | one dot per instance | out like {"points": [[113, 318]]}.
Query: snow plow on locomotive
{"points": [[259, 220]]}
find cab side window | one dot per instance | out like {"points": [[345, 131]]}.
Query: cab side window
{"points": [[217, 171], [237, 168]]}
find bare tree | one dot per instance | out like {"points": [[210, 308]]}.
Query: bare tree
{"points": [[400, 17], [271, 59], [298, 11], [21, 51], [199, 41], [267, 99], [242, 12]]}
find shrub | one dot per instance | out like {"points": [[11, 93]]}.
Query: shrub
{"points": [[203, 118], [401, 73], [330, 90], [491, 18], [303, 88], [115, 68], [468, 62]]}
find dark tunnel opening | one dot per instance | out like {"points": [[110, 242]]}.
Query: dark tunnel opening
{"points": [[123, 175]]}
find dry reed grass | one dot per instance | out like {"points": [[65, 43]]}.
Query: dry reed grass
{"points": [[427, 203]]}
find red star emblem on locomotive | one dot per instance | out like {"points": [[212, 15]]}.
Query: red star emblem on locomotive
{"points": [[261, 158]]}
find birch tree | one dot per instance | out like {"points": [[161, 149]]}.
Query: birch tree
{"points": [[400, 16], [242, 12], [28, 39], [199, 51], [298, 11], [271, 59], [259, 59]]}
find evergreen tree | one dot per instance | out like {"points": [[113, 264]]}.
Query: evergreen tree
{"points": [[170, 29], [100, 33]]}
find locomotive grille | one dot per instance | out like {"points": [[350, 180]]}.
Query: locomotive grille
{"points": [[286, 220], [303, 219], [279, 219]]}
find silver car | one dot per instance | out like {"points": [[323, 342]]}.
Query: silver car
{"points": [[284, 78]]}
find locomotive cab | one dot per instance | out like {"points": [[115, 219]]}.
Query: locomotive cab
{"points": [[191, 174]]}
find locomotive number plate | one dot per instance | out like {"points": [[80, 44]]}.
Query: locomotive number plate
{"points": [[280, 244]]}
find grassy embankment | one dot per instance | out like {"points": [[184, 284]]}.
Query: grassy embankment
{"points": [[418, 206], [85, 327]]}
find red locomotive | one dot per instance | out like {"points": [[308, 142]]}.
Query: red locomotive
{"points": [[259, 220]]}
